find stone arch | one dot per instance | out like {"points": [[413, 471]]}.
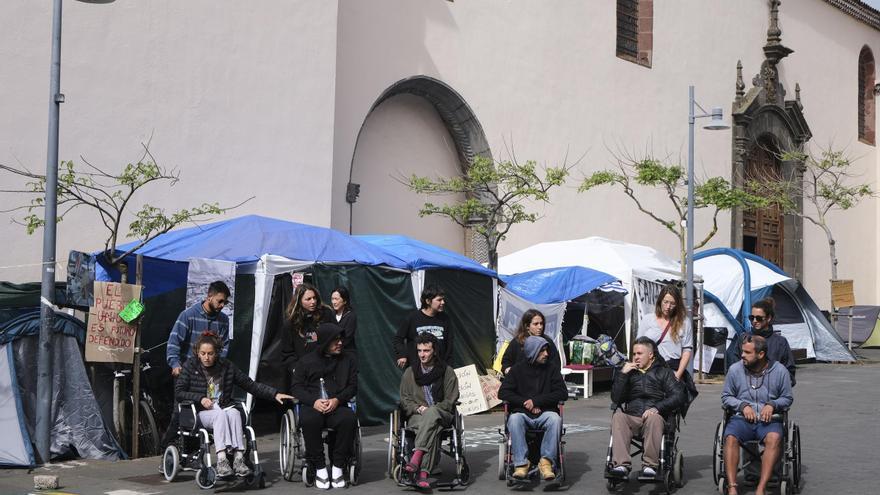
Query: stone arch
{"points": [[458, 119]]}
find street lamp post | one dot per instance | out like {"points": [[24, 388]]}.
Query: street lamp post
{"points": [[47, 284], [716, 123]]}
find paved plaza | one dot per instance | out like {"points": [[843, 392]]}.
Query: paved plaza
{"points": [[837, 407]]}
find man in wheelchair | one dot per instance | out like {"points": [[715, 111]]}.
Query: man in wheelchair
{"points": [[428, 394], [647, 394], [756, 391], [324, 381], [534, 390]]}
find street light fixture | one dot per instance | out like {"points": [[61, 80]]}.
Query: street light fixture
{"points": [[47, 285], [716, 122]]}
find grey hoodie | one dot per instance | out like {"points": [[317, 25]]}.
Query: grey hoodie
{"points": [[773, 387], [532, 347]]}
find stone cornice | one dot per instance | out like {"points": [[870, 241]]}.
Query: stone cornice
{"points": [[858, 10]]}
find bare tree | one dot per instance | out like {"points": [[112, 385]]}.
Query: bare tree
{"points": [[109, 194]]}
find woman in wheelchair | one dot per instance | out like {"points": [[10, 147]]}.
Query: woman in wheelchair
{"points": [[324, 381], [648, 394], [756, 391], [428, 394], [208, 382]]}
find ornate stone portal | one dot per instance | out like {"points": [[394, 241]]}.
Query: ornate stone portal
{"points": [[765, 126]]}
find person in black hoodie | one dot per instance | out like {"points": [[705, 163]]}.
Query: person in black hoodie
{"points": [[208, 382], [650, 392], [324, 382], [299, 335], [429, 318], [534, 388], [778, 349]]}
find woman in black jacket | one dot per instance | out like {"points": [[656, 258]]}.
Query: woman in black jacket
{"points": [[299, 335], [532, 323], [208, 382], [340, 301]]}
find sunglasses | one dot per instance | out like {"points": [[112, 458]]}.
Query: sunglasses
{"points": [[759, 319]]}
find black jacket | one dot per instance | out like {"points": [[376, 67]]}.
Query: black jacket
{"points": [[349, 323], [404, 341], [192, 385], [339, 372], [656, 388], [778, 350], [542, 383], [294, 347], [515, 354]]}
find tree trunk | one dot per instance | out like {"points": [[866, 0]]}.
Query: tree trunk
{"points": [[832, 250]]}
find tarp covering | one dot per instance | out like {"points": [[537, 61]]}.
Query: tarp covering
{"points": [[556, 285], [27, 295], [727, 275], [864, 325], [16, 449], [417, 255], [78, 427]]}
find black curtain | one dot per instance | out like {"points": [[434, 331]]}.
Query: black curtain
{"points": [[469, 304]]}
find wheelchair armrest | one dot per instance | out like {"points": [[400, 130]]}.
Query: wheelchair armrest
{"points": [[188, 415]]}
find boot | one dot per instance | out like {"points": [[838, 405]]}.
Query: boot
{"points": [[546, 468], [521, 472]]}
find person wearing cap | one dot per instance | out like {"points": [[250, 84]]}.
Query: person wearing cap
{"points": [[428, 394], [647, 389], [533, 390], [324, 382]]}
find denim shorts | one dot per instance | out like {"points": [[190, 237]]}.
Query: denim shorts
{"points": [[747, 432]]}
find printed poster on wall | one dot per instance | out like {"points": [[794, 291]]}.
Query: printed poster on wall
{"points": [[109, 339], [202, 272], [510, 311]]}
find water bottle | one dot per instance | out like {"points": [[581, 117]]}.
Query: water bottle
{"points": [[324, 395]]}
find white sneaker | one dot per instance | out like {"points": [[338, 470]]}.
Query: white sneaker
{"points": [[620, 470], [649, 471]]}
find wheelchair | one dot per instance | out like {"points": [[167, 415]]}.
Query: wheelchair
{"points": [[787, 474], [533, 440], [401, 441], [670, 472], [192, 450], [292, 446]]}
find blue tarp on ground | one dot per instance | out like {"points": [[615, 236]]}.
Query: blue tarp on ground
{"points": [[555, 285]]}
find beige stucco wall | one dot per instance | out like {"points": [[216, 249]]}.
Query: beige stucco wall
{"points": [[237, 95], [547, 82]]}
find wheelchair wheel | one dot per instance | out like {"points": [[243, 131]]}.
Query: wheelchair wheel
{"points": [[502, 458], [206, 477], [463, 471], [308, 476], [795, 439], [171, 463], [722, 486], [287, 445], [784, 488], [258, 479], [678, 469], [396, 473], [718, 454], [393, 439], [354, 467]]}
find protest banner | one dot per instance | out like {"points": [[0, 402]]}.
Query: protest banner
{"points": [[476, 393], [109, 339]]}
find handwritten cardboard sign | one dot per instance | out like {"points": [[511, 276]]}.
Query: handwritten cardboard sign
{"points": [[109, 339], [476, 393]]}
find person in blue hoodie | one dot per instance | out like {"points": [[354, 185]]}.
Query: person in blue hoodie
{"points": [[534, 388], [754, 390]]}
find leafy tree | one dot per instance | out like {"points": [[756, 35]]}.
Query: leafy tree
{"points": [[826, 186], [714, 194], [495, 193], [109, 194]]}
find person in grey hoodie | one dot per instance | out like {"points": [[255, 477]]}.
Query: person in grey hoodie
{"points": [[754, 390], [534, 388]]}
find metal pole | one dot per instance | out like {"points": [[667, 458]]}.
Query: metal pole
{"points": [[47, 286], [136, 371], [689, 257]]}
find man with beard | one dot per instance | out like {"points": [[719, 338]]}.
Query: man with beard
{"points": [[324, 381], [761, 318], [534, 390], [755, 389], [650, 392], [428, 393]]}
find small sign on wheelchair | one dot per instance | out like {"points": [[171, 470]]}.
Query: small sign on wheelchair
{"points": [[476, 393]]}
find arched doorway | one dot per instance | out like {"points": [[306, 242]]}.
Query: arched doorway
{"points": [[421, 126], [763, 230]]}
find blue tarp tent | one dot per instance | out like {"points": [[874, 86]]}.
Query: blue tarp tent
{"points": [[267, 250], [556, 285]]}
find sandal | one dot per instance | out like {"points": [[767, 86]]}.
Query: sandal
{"points": [[338, 482], [423, 483], [322, 483], [732, 487]]}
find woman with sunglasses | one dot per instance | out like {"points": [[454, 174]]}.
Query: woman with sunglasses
{"points": [[761, 318]]}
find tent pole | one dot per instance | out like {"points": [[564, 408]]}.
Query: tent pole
{"points": [[136, 370]]}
